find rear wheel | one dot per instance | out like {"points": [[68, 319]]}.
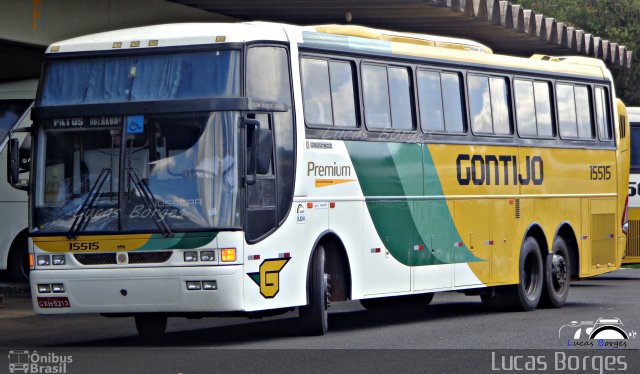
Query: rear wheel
{"points": [[525, 295], [313, 316], [151, 326], [557, 274]]}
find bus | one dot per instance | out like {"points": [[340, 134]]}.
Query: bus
{"points": [[632, 254], [250, 169], [16, 99]]}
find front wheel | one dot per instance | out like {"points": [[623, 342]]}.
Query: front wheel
{"points": [[557, 275], [313, 316], [18, 264]]}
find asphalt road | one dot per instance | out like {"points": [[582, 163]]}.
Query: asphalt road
{"points": [[452, 321]]}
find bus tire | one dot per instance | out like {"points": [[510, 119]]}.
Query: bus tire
{"points": [[557, 275], [525, 296], [150, 326], [313, 316], [18, 261]]}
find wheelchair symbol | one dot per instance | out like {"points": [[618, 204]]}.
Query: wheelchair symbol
{"points": [[135, 124]]}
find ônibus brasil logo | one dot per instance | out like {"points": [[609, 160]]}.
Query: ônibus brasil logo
{"points": [[22, 361]]}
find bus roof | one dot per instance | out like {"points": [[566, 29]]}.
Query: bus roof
{"points": [[349, 37]]}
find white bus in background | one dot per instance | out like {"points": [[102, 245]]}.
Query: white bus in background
{"points": [[16, 99], [632, 254]]}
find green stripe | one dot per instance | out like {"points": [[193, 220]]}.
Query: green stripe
{"points": [[397, 169]]}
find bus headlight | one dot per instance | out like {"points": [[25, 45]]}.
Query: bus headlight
{"points": [[190, 256], [207, 256], [44, 288], [58, 259], [57, 288], [44, 260]]}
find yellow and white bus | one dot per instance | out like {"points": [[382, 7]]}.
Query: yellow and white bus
{"points": [[632, 254], [254, 168]]}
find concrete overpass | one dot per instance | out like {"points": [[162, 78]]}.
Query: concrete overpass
{"points": [[27, 26]]}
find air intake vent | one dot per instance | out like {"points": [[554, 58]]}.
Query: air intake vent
{"points": [[517, 208], [623, 127], [134, 258]]}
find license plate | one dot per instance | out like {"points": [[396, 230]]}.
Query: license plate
{"points": [[53, 302]]}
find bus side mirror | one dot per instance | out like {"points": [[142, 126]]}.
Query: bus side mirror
{"points": [[260, 149], [18, 162]]}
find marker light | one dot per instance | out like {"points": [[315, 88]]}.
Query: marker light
{"points": [[31, 261], [44, 260], [207, 256], [57, 288], [228, 254], [44, 288], [190, 256], [58, 259]]}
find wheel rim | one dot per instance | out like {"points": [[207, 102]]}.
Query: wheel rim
{"points": [[559, 273], [530, 275]]}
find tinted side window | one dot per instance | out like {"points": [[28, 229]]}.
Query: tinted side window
{"points": [[376, 96], [440, 101], [574, 111], [387, 97], [342, 96], [583, 112], [525, 108], [400, 94], [602, 113], [635, 147], [567, 111], [489, 103], [327, 89], [480, 104], [316, 92], [542, 92], [533, 108]]}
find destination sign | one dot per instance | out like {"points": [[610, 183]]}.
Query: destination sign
{"points": [[84, 122]]}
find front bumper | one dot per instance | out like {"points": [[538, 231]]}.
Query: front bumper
{"points": [[141, 290]]}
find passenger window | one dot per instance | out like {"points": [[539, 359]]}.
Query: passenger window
{"points": [[542, 92], [567, 111], [387, 97], [327, 88], [316, 92], [440, 101], [489, 103], [533, 108], [602, 114], [574, 111], [376, 96]]}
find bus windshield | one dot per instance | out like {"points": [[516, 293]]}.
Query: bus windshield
{"points": [[166, 172], [131, 78]]}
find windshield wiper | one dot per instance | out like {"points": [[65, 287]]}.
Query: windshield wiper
{"points": [[149, 200], [82, 219]]}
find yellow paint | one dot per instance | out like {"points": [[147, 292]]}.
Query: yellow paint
{"points": [[270, 276], [104, 243], [331, 182], [568, 193]]}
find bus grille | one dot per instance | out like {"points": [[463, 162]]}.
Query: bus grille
{"points": [[633, 239], [134, 258]]}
